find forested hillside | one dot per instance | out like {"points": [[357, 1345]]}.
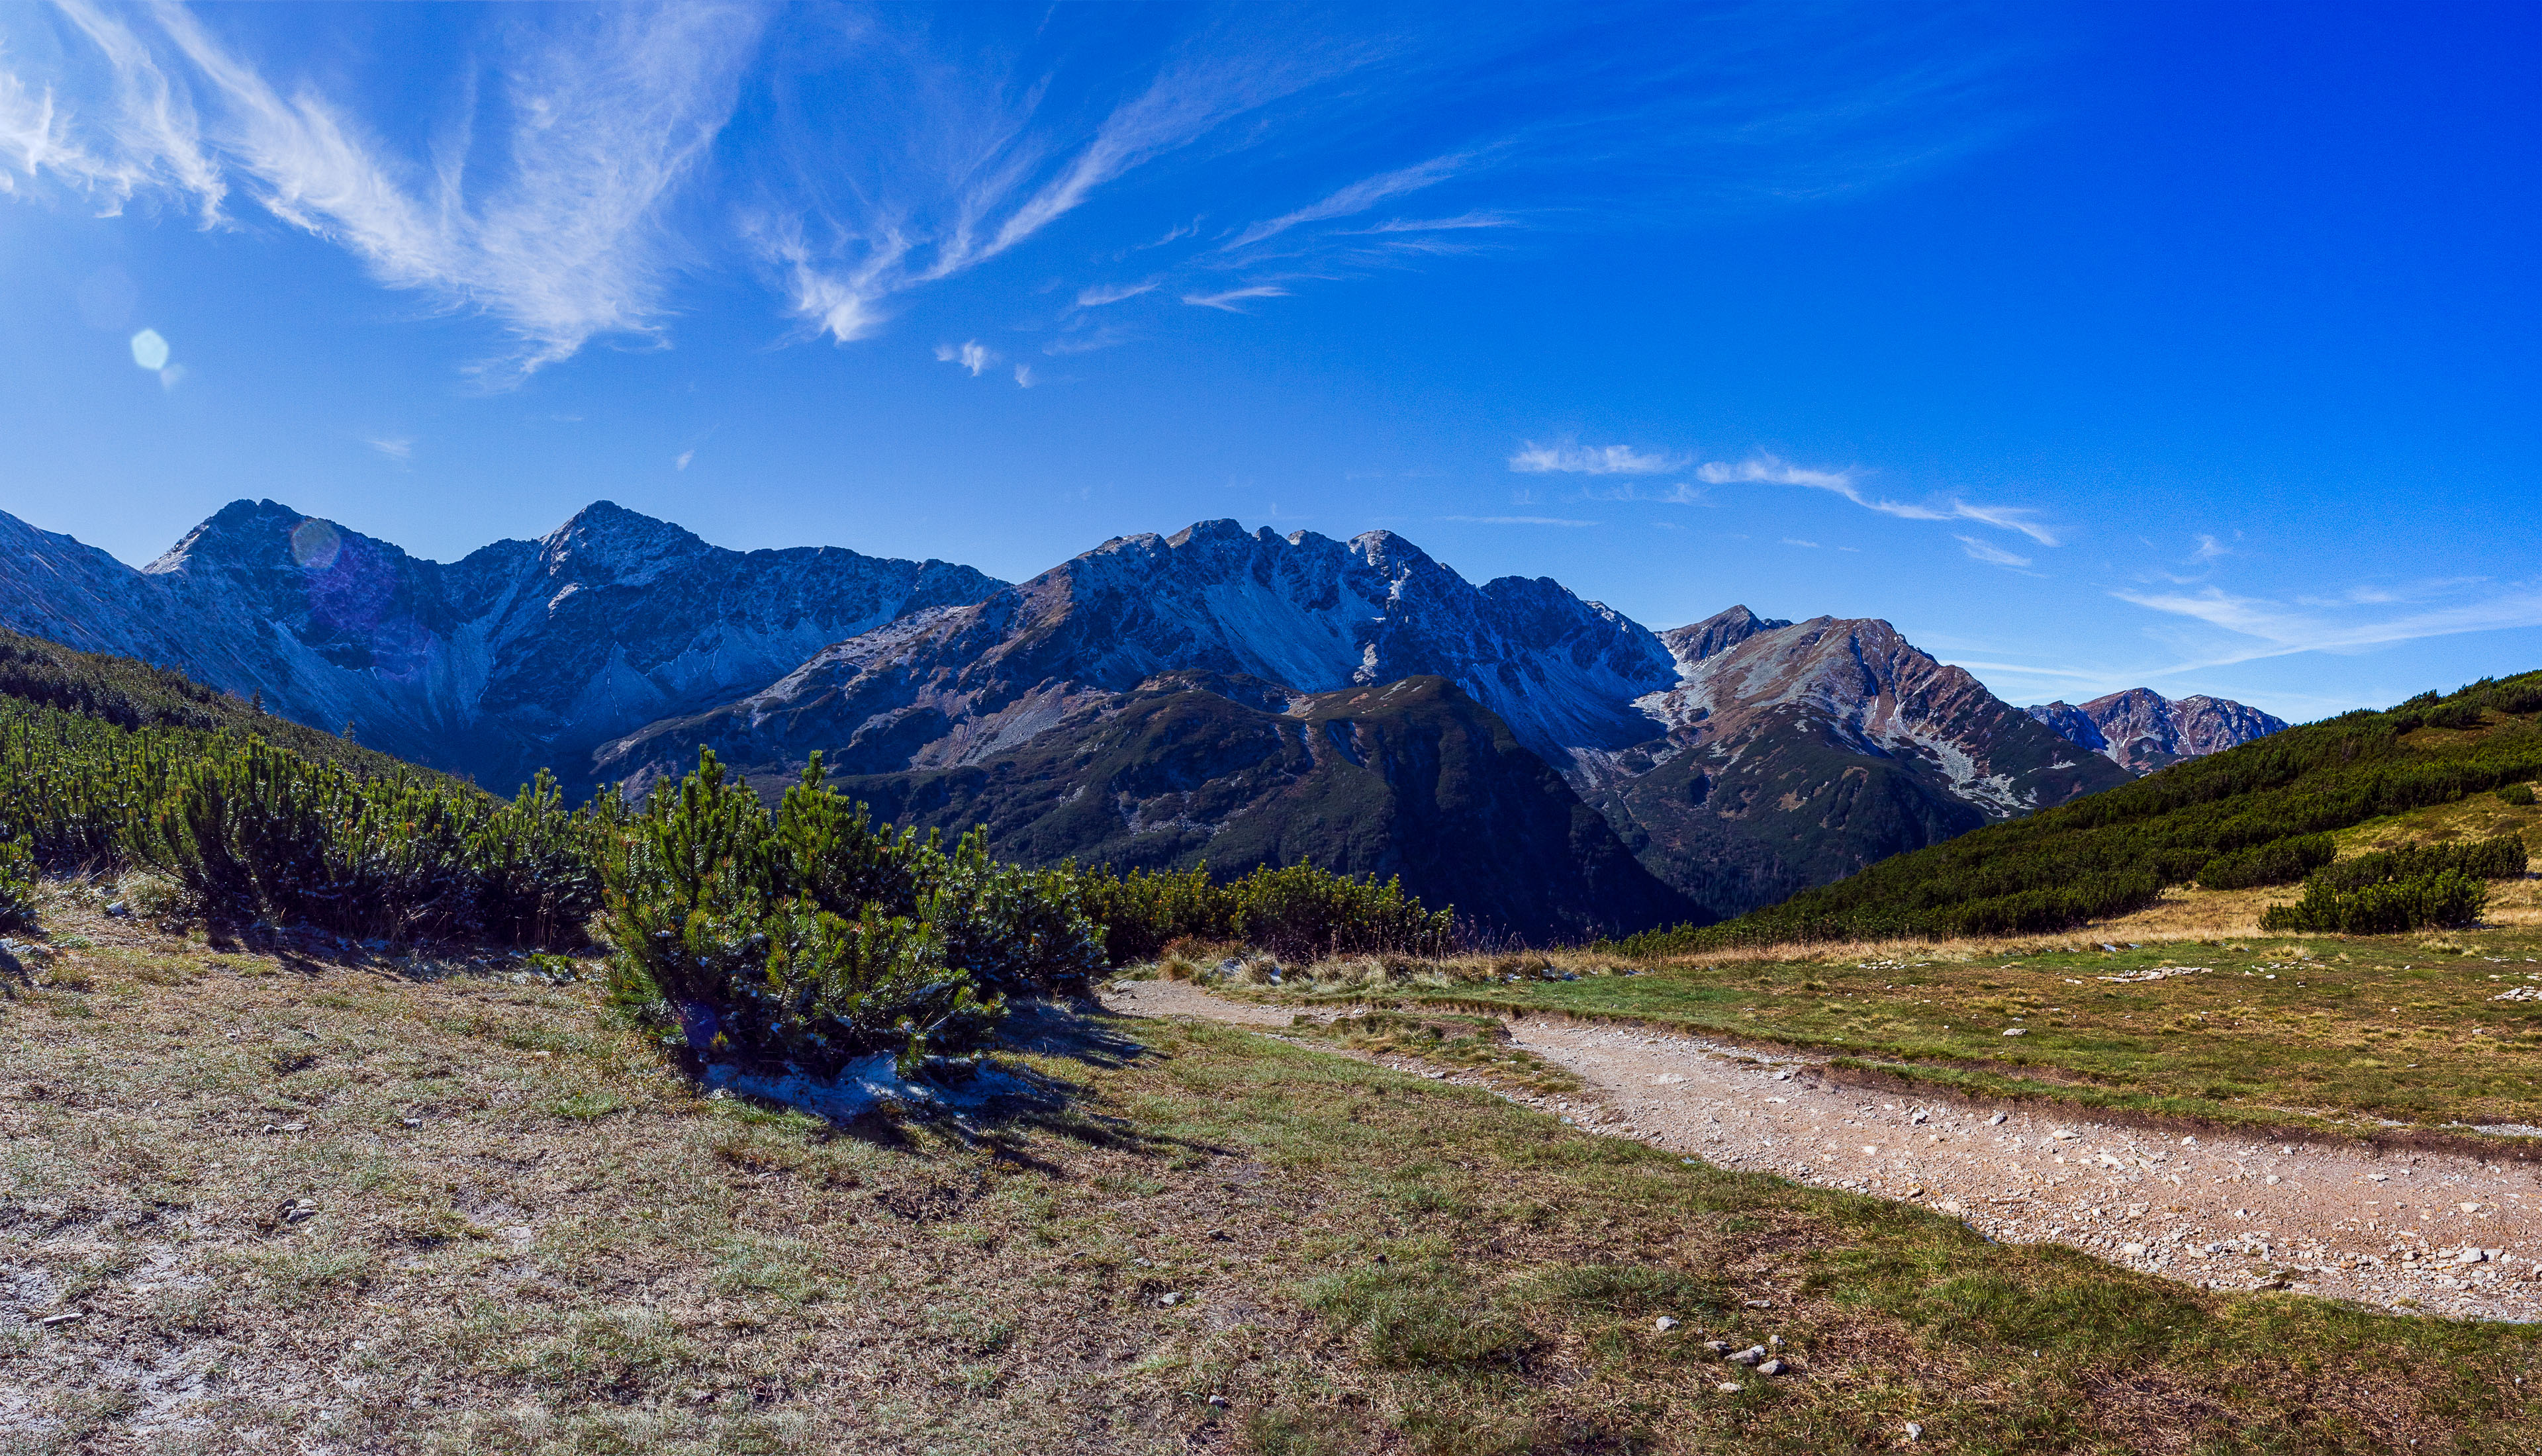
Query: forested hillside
{"points": [[2249, 816], [129, 694]]}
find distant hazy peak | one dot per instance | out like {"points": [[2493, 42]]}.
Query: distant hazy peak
{"points": [[2142, 730]]}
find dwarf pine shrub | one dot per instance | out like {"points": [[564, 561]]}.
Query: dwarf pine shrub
{"points": [[1298, 913], [17, 886], [2499, 858], [2277, 863], [250, 828], [810, 936], [2448, 898]]}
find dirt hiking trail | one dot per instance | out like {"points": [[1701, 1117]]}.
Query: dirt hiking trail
{"points": [[2436, 1232]]}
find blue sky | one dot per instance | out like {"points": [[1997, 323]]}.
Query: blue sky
{"points": [[2191, 346]]}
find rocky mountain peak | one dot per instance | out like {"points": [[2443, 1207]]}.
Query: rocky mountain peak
{"points": [[263, 534], [606, 543], [2138, 728], [1717, 633]]}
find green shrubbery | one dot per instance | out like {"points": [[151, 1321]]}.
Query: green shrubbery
{"points": [[808, 938], [804, 936], [2519, 794], [2500, 858], [17, 886], [1298, 913], [2397, 890], [252, 829], [2448, 899], [2276, 862]]}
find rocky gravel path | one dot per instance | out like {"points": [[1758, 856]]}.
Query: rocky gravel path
{"points": [[2440, 1233]]}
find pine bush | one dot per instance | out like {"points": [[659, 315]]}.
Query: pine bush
{"points": [[1296, 912], [2385, 908], [2277, 863], [17, 886]]}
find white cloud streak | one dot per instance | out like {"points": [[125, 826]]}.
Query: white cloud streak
{"points": [[609, 110], [1989, 553], [1101, 294], [1516, 521], [1766, 470], [395, 447], [1680, 493], [1356, 199], [972, 355], [2279, 630], [1582, 460], [887, 153], [1233, 296]]}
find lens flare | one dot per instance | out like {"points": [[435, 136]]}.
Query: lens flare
{"points": [[313, 545], [149, 350]]}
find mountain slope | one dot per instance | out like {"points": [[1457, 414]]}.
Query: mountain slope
{"points": [[1795, 754], [1309, 613], [132, 694], [2114, 851], [997, 709], [2142, 730], [523, 655], [1412, 778]]}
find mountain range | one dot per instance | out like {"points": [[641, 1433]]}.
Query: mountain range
{"points": [[2142, 730], [1551, 766]]}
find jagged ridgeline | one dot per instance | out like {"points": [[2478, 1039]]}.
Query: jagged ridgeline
{"points": [[2260, 814], [807, 933]]}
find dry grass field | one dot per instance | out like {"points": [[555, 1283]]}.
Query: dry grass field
{"points": [[280, 1196]]}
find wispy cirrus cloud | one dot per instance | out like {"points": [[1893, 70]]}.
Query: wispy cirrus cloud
{"points": [[1990, 553], [395, 447], [1766, 470], [1516, 521], [1101, 295], [1591, 459], [2275, 628], [1229, 299], [559, 239], [1356, 199], [572, 165]]}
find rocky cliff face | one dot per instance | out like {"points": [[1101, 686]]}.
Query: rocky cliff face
{"points": [[1308, 612], [523, 655], [2142, 730]]}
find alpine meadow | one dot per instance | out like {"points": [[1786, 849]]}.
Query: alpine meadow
{"points": [[1273, 730]]}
